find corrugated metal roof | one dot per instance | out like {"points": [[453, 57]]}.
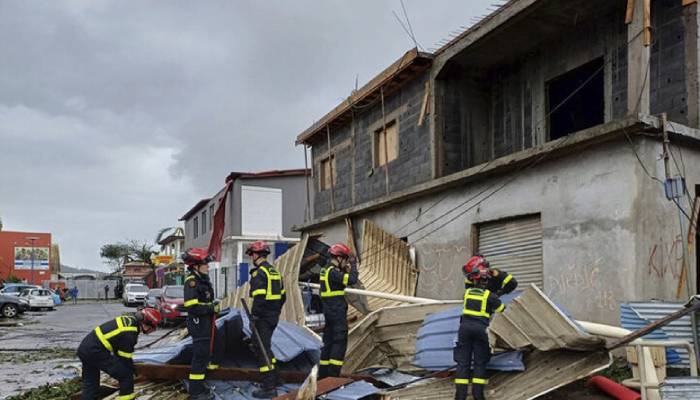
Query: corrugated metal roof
{"points": [[630, 319], [288, 342], [679, 329], [354, 391], [436, 340], [685, 388], [241, 390]]}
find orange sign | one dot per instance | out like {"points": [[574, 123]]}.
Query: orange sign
{"points": [[163, 259]]}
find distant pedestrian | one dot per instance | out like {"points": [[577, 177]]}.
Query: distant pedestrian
{"points": [[74, 294], [106, 292]]}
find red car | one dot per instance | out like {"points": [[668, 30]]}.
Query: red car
{"points": [[170, 304]]}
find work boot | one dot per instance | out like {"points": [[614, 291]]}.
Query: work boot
{"points": [[478, 392], [461, 392], [265, 393]]}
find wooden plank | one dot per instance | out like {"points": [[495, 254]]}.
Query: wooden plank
{"points": [[689, 2], [629, 14], [330, 165], [647, 22], [425, 104]]}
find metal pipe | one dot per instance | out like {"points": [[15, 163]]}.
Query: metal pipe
{"points": [[388, 296]]}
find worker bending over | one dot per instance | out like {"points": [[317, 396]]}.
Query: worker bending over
{"points": [[267, 291], [201, 316], [500, 283], [110, 348], [472, 340], [334, 278]]}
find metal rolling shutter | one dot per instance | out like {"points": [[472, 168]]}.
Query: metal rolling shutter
{"points": [[515, 246]]}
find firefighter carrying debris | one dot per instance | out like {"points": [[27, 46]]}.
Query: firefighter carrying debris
{"points": [[267, 291], [500, 282], [110, 348], [472, 340], [201, 313], [341, 272]]}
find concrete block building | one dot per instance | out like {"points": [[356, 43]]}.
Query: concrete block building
{"points": [[545, 137]]}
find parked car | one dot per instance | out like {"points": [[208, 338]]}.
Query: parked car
{"points": [[152, 298], [171, 304], [37, 298], [10, 306], [134, 293], [14, 289]]}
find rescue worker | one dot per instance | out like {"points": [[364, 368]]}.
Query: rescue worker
{"points": [[334, 278], [267, 291], [201, 311], [110, 348], [472, 340], [500, 283]]}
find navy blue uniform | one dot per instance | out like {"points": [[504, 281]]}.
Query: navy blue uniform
{"points": [[110, 348], [500, 283], [335, 312], [267, 291], [473, 341], [199, 303]]}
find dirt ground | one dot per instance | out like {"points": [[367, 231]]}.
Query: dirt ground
{"points": [[39, 347]]}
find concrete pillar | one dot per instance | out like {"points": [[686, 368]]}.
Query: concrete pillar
{"points": [[638, 70], [690, 24]]}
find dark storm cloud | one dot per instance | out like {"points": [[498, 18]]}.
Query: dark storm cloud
{"points": [[116, 116]]}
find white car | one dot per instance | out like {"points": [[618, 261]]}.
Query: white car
{"points": [[134, 293], [37, 298]]}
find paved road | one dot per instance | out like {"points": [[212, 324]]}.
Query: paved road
{"points": [[63, 328]]}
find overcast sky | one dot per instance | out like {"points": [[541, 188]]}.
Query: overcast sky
{"points": [[116, 117]]}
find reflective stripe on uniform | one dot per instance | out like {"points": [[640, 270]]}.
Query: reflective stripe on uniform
{"points": [[501, 308], [325, 362], [479, 381], [191, 302], [189, 277], [461, 381], [336, 362], [267, 368], [272, 275], [121, 328], [125, 354], [196, 377], [127, 397], [346, 278], [477, 295], [259, 292], [212, 367], [274, 360], [508, 279], [326, 288]]}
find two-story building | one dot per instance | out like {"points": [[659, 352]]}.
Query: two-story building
{"points": [[543, 137], [169, 267], [259, 206]]}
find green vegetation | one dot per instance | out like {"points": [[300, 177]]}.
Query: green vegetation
{"points": [[23, 357], [57, 391], [618, 371]]}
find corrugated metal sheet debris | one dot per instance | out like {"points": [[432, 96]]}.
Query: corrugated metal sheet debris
{"points": [[354, 391], [241, 390], [630, 319], [686, 388], [680, 329]]}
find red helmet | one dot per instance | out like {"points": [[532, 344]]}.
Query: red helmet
{"points": [[151, 316], [339, 250], [259, 247], [475, 265], [196, 256]]}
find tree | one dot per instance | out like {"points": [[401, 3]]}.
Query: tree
{"points": [[116, 254], [141, 251]]}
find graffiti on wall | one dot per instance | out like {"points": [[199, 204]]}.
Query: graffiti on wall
{"points": [[666, 258], [439, 270], [587, 282]]}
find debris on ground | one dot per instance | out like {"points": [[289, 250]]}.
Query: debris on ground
{"points": [[57, 391]]}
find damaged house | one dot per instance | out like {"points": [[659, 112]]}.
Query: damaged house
{"points": [[548, 137]]}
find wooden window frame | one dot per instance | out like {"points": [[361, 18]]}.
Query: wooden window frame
{"points": [[195, 227], [381, 130], [322, 174]]}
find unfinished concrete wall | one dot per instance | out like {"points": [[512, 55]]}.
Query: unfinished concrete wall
{"points": [[661, 240], [357, 179]]}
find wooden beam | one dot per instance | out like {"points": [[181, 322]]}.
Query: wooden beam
{"points": [[629, 14], [324, 386], [171, 372], [689, 2], [638, 55], [330, 166], [647, 22], [425, 104]]}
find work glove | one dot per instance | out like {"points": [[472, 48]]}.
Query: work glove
{"points": [[217, 307]]}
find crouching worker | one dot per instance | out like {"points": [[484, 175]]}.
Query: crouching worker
{"points": [[110, 348], [472, 340]]}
